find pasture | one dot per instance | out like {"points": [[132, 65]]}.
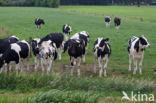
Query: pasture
{"points": [[19, 21]]}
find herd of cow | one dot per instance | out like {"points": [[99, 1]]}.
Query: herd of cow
{"points": [[50, 47]]}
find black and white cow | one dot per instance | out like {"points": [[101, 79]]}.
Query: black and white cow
{"points": [[107, 20], [76, 49], [5, 43], [136, 48], [38, 22], [47, 53], [17, 52], [84, 36], [117, 22], [102, 52], [58, 39], [67, 29], [35, 49]]}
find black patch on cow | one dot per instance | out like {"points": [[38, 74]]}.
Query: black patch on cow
{"points": [[5, 43], [35, 49], [57, 38], [117, 21], [142, 41], [107, 19], [8, 56], [136, 46], [84, 38], [24, 53]]}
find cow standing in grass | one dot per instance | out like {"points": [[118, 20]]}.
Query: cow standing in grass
{"points": [[136, 48], [117, 22], [66, 31], [102, 51], [17, 52], [35, 49], [58, 39], [76, 49], [38, 22], [84, 36], [47, 53], [107, 20]]}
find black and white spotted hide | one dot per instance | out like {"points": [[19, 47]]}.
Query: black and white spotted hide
{"points": [[58, 39], [38, 22], [67, 29], [35, 49], [17, 52], [136, 48], [84, 36], [117, 22], [5, 43], [107, 21], [75, 49], [102, 52], [47, 53]]}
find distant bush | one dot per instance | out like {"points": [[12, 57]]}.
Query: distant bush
{"points": [[57, 96]]}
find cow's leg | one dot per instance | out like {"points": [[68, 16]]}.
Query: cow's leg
{"points": [[42, 65], [105, 66], [140, 64], [94, 66], [78, 66], [59, 53], [72, 61], [17, 68], [49, 65], [100, 66], [130, 63], [136, 66]]}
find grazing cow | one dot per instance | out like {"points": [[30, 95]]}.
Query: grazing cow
{"points": [[84, 36], [38, 22], [102, 51], [107, 20], [76, 49], [66, 30], [17, 52], [117, 22], [136, 47], [57, 38], [47, 53], [35, 50], [5, 43]]}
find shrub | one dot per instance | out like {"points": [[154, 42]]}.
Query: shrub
{"points": [[57, 96]]}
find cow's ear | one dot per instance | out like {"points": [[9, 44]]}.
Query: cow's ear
{"points": [[107, 39]]}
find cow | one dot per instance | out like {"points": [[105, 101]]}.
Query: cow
{"points": [[136, 48], [35, 49], [67, 29], [84, 36], [117, 22], [17, 52], [38, 22], [102, 52], [47, 53], [58, 39], [5, 43], [107, 20], [76, 49]]}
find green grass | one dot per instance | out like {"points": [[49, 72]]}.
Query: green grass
{"points": [[19, 21]]}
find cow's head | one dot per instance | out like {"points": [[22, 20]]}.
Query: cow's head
{"points": [[144, 42]]}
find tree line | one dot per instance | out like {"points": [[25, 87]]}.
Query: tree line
{"points": [[37, 3], [56, 3], [104, 2]]}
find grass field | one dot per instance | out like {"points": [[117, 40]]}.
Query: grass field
{"points": [[20, 22]]}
